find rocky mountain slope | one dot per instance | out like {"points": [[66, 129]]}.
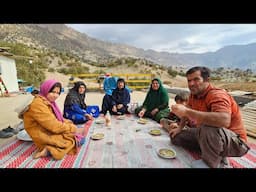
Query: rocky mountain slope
{"points": [[63, 38]]}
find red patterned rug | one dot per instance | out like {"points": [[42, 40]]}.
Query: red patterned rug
{"points": [[18, 154], [247, 161]]}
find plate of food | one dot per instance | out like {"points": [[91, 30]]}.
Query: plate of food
{"points": [[155, 132], [97, 136], [24, 136], [142, 121], [167, 153], [100, 121], [121, 117]]}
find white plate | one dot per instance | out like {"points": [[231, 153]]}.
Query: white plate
{"points": [[121, 117], [166, 153], [97, 136], [100, 121], [155, 132], [23, 135], [142, 121]]}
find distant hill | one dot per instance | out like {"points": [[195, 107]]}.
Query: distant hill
{"points": [[63, 38]]}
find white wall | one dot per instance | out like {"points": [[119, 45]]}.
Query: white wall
{"points": [[9, 74]]}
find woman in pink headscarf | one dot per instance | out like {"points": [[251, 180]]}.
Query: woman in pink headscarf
{"points": [[52, 134]]}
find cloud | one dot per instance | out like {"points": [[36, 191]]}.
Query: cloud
{"points": [[180, 38]]}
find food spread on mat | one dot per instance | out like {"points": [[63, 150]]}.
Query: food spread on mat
{"points": [[167, 153], [99, 121], [155, 132], [142, 121], [97, 136], [121, 117]]}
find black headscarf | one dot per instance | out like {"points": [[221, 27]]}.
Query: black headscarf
{"points": [[121, 95], [73, 97]]}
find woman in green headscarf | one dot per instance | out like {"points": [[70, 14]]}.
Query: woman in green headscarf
{"points": [[156, 104]]}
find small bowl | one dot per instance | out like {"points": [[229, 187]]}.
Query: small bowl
{"points": [[142, 121], [155, 132], [97, 136], [167, 153], [121, 117], [100, 121]]}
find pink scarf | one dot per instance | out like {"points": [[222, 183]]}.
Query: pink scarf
{"points": [[44, 90]]}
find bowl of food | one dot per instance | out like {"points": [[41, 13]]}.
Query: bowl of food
{"points": [[121, 117], [167, 153], [142, 121], [97, 136], [100, 121], [155, 132]]}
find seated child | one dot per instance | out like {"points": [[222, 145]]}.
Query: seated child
{"points": [[180, 98]]}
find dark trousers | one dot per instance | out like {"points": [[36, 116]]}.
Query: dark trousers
{"points": [[107, 106], [213, 143]]}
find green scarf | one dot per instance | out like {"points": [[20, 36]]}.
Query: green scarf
{"points": [[156, 98]]}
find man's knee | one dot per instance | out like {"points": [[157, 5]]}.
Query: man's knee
{"points": [[176, 140], [208, 132]]}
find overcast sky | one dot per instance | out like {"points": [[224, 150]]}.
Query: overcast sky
{"points": [[174, 38]]}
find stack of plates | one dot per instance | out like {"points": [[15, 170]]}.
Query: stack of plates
{"points": [[24, 136]]}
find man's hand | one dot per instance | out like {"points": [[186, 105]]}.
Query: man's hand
{"points": [[179, 110], [173, 132], [173, 125]]}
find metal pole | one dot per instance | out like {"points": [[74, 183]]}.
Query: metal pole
{"points": [[30, 62]]}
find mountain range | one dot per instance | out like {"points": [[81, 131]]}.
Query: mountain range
{"points": [[63, 38]]}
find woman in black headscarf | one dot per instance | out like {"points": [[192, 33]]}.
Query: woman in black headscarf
{"points": [[120, 98], [74, 105]]}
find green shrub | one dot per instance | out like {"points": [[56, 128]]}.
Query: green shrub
{"points": [[51, 70], [172, 72]]}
